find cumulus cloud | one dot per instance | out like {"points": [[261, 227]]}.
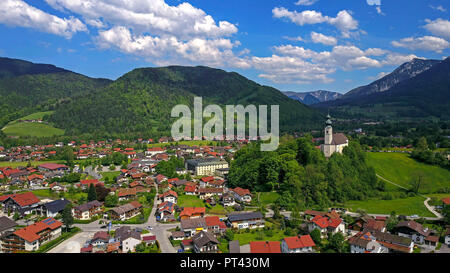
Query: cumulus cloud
{"points": [[19, 13], [343, 20], [439, 27], [323, 39], [428, 43]]}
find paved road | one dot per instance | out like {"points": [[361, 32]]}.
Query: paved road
{"points": [[160, 230], [73, 244], [90, 171]]}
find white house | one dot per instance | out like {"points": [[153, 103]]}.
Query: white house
{"points": [[297, 244]]}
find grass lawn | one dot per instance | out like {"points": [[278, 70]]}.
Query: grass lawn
{"points": [[190, 201], [52, 195], [407, 206], [399, 168], [218, 209], [25, 163], [267, 198], [111, 175], [31, 129]]}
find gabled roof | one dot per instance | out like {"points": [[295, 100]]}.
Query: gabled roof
{"points": [[414, 226], [23, 199], [30, 233], [189, 211], [241, 191], [6, 223], [244, 216], [299, 242], [57, 205], [203, 237]]}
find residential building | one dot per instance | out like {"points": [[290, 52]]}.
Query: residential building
{"points": [[205, 242], [297, 244], [126, 211], [265, 247], [51, 209], [242, 195], [413, 230], [22, 203], [87, 210], [326, 225], [246, 220], [205, 166]]}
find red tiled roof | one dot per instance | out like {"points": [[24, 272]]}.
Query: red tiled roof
{"points": [[299, 241], [189, 211], [23, 199], [52, 166], [30, 233], [207, 179], [241, 191], [446, 200], [265, 247]]}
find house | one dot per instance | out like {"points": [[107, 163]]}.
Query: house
{"points": [[165, 212], [126, 211], [160, 178], [190, 190], [379, 242], [447, 237], [246, 220], [206, 193], [35, 180], [187, 244], [204, 181], [177, 235], [169, 196], [100, 239], [326, 225], [128, 238], [51, 167], [413, 230], [127, 194], [265, 247], [193, 226], [154, 151], [205, 166], [31, 238], [7, 226], [51, 209], [22, 203], [148, 239], [242, 195], [87, 210], [374, 225], [215, 225], [227, 200], [205, 242], [192, 212], [85, 184], [297, 244]]}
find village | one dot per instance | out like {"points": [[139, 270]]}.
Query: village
{"points": [[128, 206]]}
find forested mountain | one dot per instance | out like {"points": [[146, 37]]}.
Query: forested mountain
{"points": [[26, 87], [424, 96], [313, 97], [140, 102]]}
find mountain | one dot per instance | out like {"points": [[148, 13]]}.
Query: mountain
{"points": [[313, 97], [405, 71], [14, 67], [26, 87], [423, 96], [140, 102]]}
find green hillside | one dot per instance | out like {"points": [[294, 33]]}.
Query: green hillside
{"points": [[17, 128], [140, 102], [400, 168]]}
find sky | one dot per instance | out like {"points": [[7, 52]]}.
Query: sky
{"points": [[292, 45]]}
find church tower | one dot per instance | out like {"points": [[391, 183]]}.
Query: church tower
{"points": [[328, 131]]}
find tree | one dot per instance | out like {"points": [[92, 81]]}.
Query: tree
{"points": [[422, 144], [101, 192], [111, 200], [336, 242], [316, 236], [417, 182], [229, 235], [92, 194], [446, 213], [67, 217]]}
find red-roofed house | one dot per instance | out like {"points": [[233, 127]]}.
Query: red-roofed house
{"points": [[242, 195], [169, 196], [192, 212], [87, 183], [23, 203], [30, 238], [297, 244], [214, 224], [265, 247], [190, 190], [52, 167], [326, 225]]}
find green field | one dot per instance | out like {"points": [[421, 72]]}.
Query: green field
{"points": [[111, 175], [25, 163], [190, 201], [400, 168], [406, 206], [16, 128], [246, 238], [267, 198]]}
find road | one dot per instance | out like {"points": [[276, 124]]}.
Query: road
{"points": [[90, 171], [73, 244]]}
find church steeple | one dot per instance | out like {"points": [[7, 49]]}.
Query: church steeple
{"points": [[328, 122], [328, 131]]}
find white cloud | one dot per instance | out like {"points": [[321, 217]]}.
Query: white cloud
{"points": [[19, 13], [439, 8], [377, 4], [323, 39], [305, 2], [155, 17], [439, 27], [428, 43], [343, 20]]}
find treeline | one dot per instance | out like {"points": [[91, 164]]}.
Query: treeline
{"points": [[302, 176], [424, 154]]}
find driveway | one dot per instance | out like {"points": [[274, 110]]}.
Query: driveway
{"points": [[73, 244]]}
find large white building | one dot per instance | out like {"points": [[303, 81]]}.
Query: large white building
{"points": [[333, 143], [205, 166]]}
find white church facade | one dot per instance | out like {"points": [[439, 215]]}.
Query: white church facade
{"points": [[333, 143]]}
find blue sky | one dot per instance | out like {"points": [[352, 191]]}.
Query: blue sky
{"points": [[293, 45]]}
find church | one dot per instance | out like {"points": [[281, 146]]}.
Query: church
{"points": [[333, 143]]}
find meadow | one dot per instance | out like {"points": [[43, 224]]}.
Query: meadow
{"points": [[16, 128]]}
